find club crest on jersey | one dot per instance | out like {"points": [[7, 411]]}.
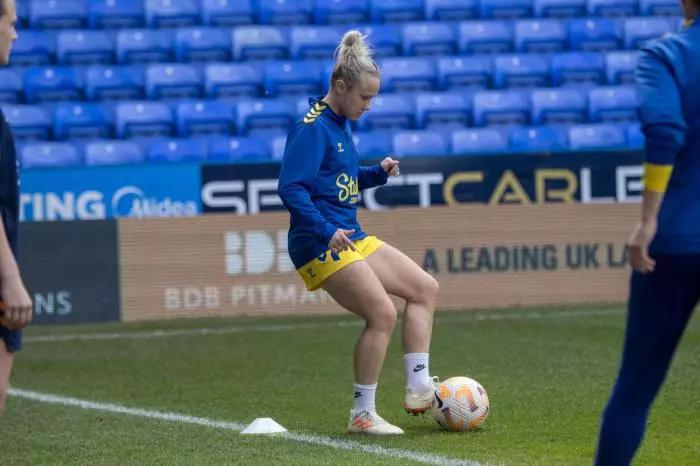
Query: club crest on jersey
{"points": [[340, 147], [349, 190]]}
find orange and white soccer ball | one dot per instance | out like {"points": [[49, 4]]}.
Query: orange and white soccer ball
{"points": [[460, 404]]}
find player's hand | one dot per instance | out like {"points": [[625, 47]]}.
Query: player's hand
{"points": [[341, 242], [639, 247], [16, 304], [390, 166]]}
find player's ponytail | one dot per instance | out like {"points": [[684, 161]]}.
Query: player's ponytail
{"points": [[353, 58]]}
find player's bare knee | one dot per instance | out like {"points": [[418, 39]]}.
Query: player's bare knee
{"points": [[384, 317], [426, 291], [3, 399]]}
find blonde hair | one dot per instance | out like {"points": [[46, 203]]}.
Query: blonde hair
{"points": [[353, 58]]}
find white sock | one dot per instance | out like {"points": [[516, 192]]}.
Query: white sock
{"points": [[364, 397], [417, 371]]}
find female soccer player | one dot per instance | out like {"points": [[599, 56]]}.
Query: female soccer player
{"points": [[665, 247], [17, 306], [320, 183]]}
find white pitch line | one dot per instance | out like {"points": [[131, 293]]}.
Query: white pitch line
{"points": [[338, 444], [140, 335]]}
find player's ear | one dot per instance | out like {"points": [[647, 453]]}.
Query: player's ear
{"points": [[340, 86]]}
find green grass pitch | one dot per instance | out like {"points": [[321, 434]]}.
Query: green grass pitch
{"points": [[548, 373]]}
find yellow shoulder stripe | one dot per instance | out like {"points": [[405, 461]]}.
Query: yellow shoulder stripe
{"points": [[314, 112]]}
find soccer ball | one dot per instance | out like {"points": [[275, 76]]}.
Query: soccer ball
{"points": [[460, 404]]}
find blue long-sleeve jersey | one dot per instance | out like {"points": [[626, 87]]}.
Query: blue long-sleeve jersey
{"points": [[320, 182], [668, 73]]}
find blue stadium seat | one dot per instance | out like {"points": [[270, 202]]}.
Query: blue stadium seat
{"points": [[554, 106], [519, 71], [597, 137], [81, 121], [451, 10], [57, 14], [238, 150], [594, 34], [171, 13], [49, 154], [10, 86], [660, 8], [144, 46], [407, 74], [371, 144], [22, 14], [613, 104], [292, 77], [420, 144], [612, 8], [429, 38], [620, 67], [227, 13], [113, 153], [259, 43], [471, 72], [635, 137], [52, 84], [28, 121], [114, 83], [313, 42], [277, 145], [560, 8], [389, 111], [501, 108], [84, 48], [577, 69], [641, 30], [203, 44], [178, 150], [143, 119], [285, 12], [538, 139], [204, 117], [479, 141], [489, 37], [540, 36], [385, 39], [506, 9], [395, 11], [173, 81], [232, 80], [341, 12], [114, 14], [442, 110], [34, 48], [265, 115]]}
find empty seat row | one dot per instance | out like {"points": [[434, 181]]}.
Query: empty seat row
{"points": [[391, 111], [78, 47], [223, 149], [283, 78], [48, 14]]}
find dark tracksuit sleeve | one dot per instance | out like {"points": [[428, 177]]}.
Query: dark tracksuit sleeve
{"points": [[369, 177], [302, 159], [661, 115]]}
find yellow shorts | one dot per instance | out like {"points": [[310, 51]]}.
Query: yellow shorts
{"points": [[316, 271]]}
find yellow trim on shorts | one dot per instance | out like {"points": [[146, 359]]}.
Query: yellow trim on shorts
{"points": [[316, 271]]}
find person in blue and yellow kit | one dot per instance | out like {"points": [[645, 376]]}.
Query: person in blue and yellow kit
{"points": [[320, 183], [665, 246], [17, 306]]}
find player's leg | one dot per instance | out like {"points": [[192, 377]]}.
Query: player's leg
{"points": [[403, 278], [357, 289], [660, 306], [6, 359]]}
